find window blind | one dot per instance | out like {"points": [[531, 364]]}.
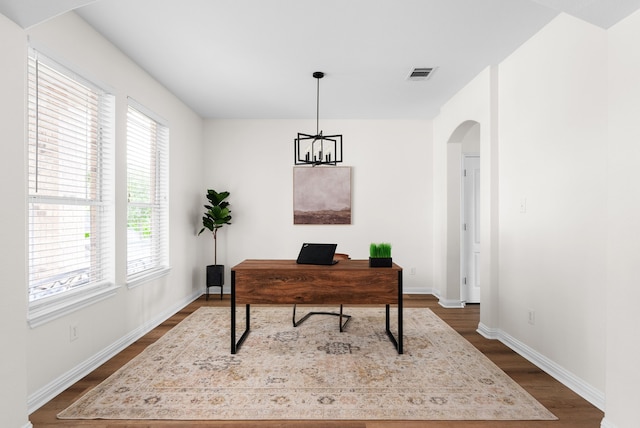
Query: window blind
{"points": [[147, 193], [69, 180]]}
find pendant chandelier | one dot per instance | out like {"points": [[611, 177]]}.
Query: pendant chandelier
{"points": [[317, 149]]}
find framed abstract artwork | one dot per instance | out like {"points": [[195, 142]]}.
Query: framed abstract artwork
{"points": [[322, 195]]}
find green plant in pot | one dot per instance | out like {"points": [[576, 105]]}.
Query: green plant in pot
{"points": [[380, 255], [217, 214]]}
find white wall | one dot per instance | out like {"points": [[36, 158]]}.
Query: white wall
{"points": [[543, 130], [623, 291], [553, 130], [52, 360], [392, 191], [13, 304]]}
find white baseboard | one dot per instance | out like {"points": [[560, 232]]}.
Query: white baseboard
{"points": [[451, 304], [607, 424], [55, 387], [448, 303], [488, 333], [410, 290], [568, 379]]}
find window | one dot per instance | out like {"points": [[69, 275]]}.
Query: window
{"points": [[69, 185], [147, 173]]}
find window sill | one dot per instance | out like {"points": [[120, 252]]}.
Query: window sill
{"points": [[144, 277], [47, 309]]}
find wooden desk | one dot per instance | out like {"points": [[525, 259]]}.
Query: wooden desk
{"points": [[350, 282]]}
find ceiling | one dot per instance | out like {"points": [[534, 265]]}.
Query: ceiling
{"points": [[255, 58]]}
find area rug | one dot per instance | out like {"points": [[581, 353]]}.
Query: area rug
{"points": [[309, 372]]}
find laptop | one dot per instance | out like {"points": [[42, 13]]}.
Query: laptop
{"points": [[317, 254]]}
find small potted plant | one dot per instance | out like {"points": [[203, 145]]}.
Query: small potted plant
{"points": [[380, 255], [215, 217]]}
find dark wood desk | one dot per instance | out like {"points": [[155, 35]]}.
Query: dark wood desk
{"points": [[350, 282]]}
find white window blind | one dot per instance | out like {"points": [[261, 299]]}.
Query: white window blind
{"points": [[147, 193], [69, 180]]}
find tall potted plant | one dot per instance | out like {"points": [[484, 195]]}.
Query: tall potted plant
{"points": [[217, 214]]}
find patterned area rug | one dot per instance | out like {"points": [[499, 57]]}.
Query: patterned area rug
{"points": [[309, 372]]}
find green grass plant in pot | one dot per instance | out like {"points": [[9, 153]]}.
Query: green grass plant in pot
{"points": [[380, 255], [217, 214]]}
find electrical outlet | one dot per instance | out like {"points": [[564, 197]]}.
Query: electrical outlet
{"points": [[532, 317], [73, 332]]}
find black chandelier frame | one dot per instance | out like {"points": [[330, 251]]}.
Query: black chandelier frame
{"points": [[320, 149]]}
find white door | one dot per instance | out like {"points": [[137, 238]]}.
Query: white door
{"points": [[470, 245]]}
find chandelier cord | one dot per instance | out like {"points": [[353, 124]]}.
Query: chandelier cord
{"points": [[318, 108]]}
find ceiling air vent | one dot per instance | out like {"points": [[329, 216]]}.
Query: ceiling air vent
{"points": [[421, 73]]}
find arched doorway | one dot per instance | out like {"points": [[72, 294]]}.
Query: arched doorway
{"points": [[463, 214]]}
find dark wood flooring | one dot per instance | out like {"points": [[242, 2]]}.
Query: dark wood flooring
{"points": [[571, 409]]}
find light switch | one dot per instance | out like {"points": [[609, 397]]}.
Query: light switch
{"points": [[523, 205]]}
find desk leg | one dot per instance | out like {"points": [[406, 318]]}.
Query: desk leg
{"points": [[233, 312], [400, 310], [246, 330], [396, 342], [389, 333], [236, 345]]}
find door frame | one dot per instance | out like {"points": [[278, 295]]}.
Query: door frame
{"points": [[464, 287]]}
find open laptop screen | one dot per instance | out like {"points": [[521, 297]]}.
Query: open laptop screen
{"points": [[317, 254]]}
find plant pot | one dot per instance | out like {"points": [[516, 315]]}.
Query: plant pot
{"points": [[215, 278], [215, 275], [380, 261]]}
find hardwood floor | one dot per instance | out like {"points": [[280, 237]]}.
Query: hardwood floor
{"points": [[571, 409]]}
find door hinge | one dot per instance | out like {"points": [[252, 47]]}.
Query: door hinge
{"points": [[464, 226], [465, 280], [464, 173]]}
